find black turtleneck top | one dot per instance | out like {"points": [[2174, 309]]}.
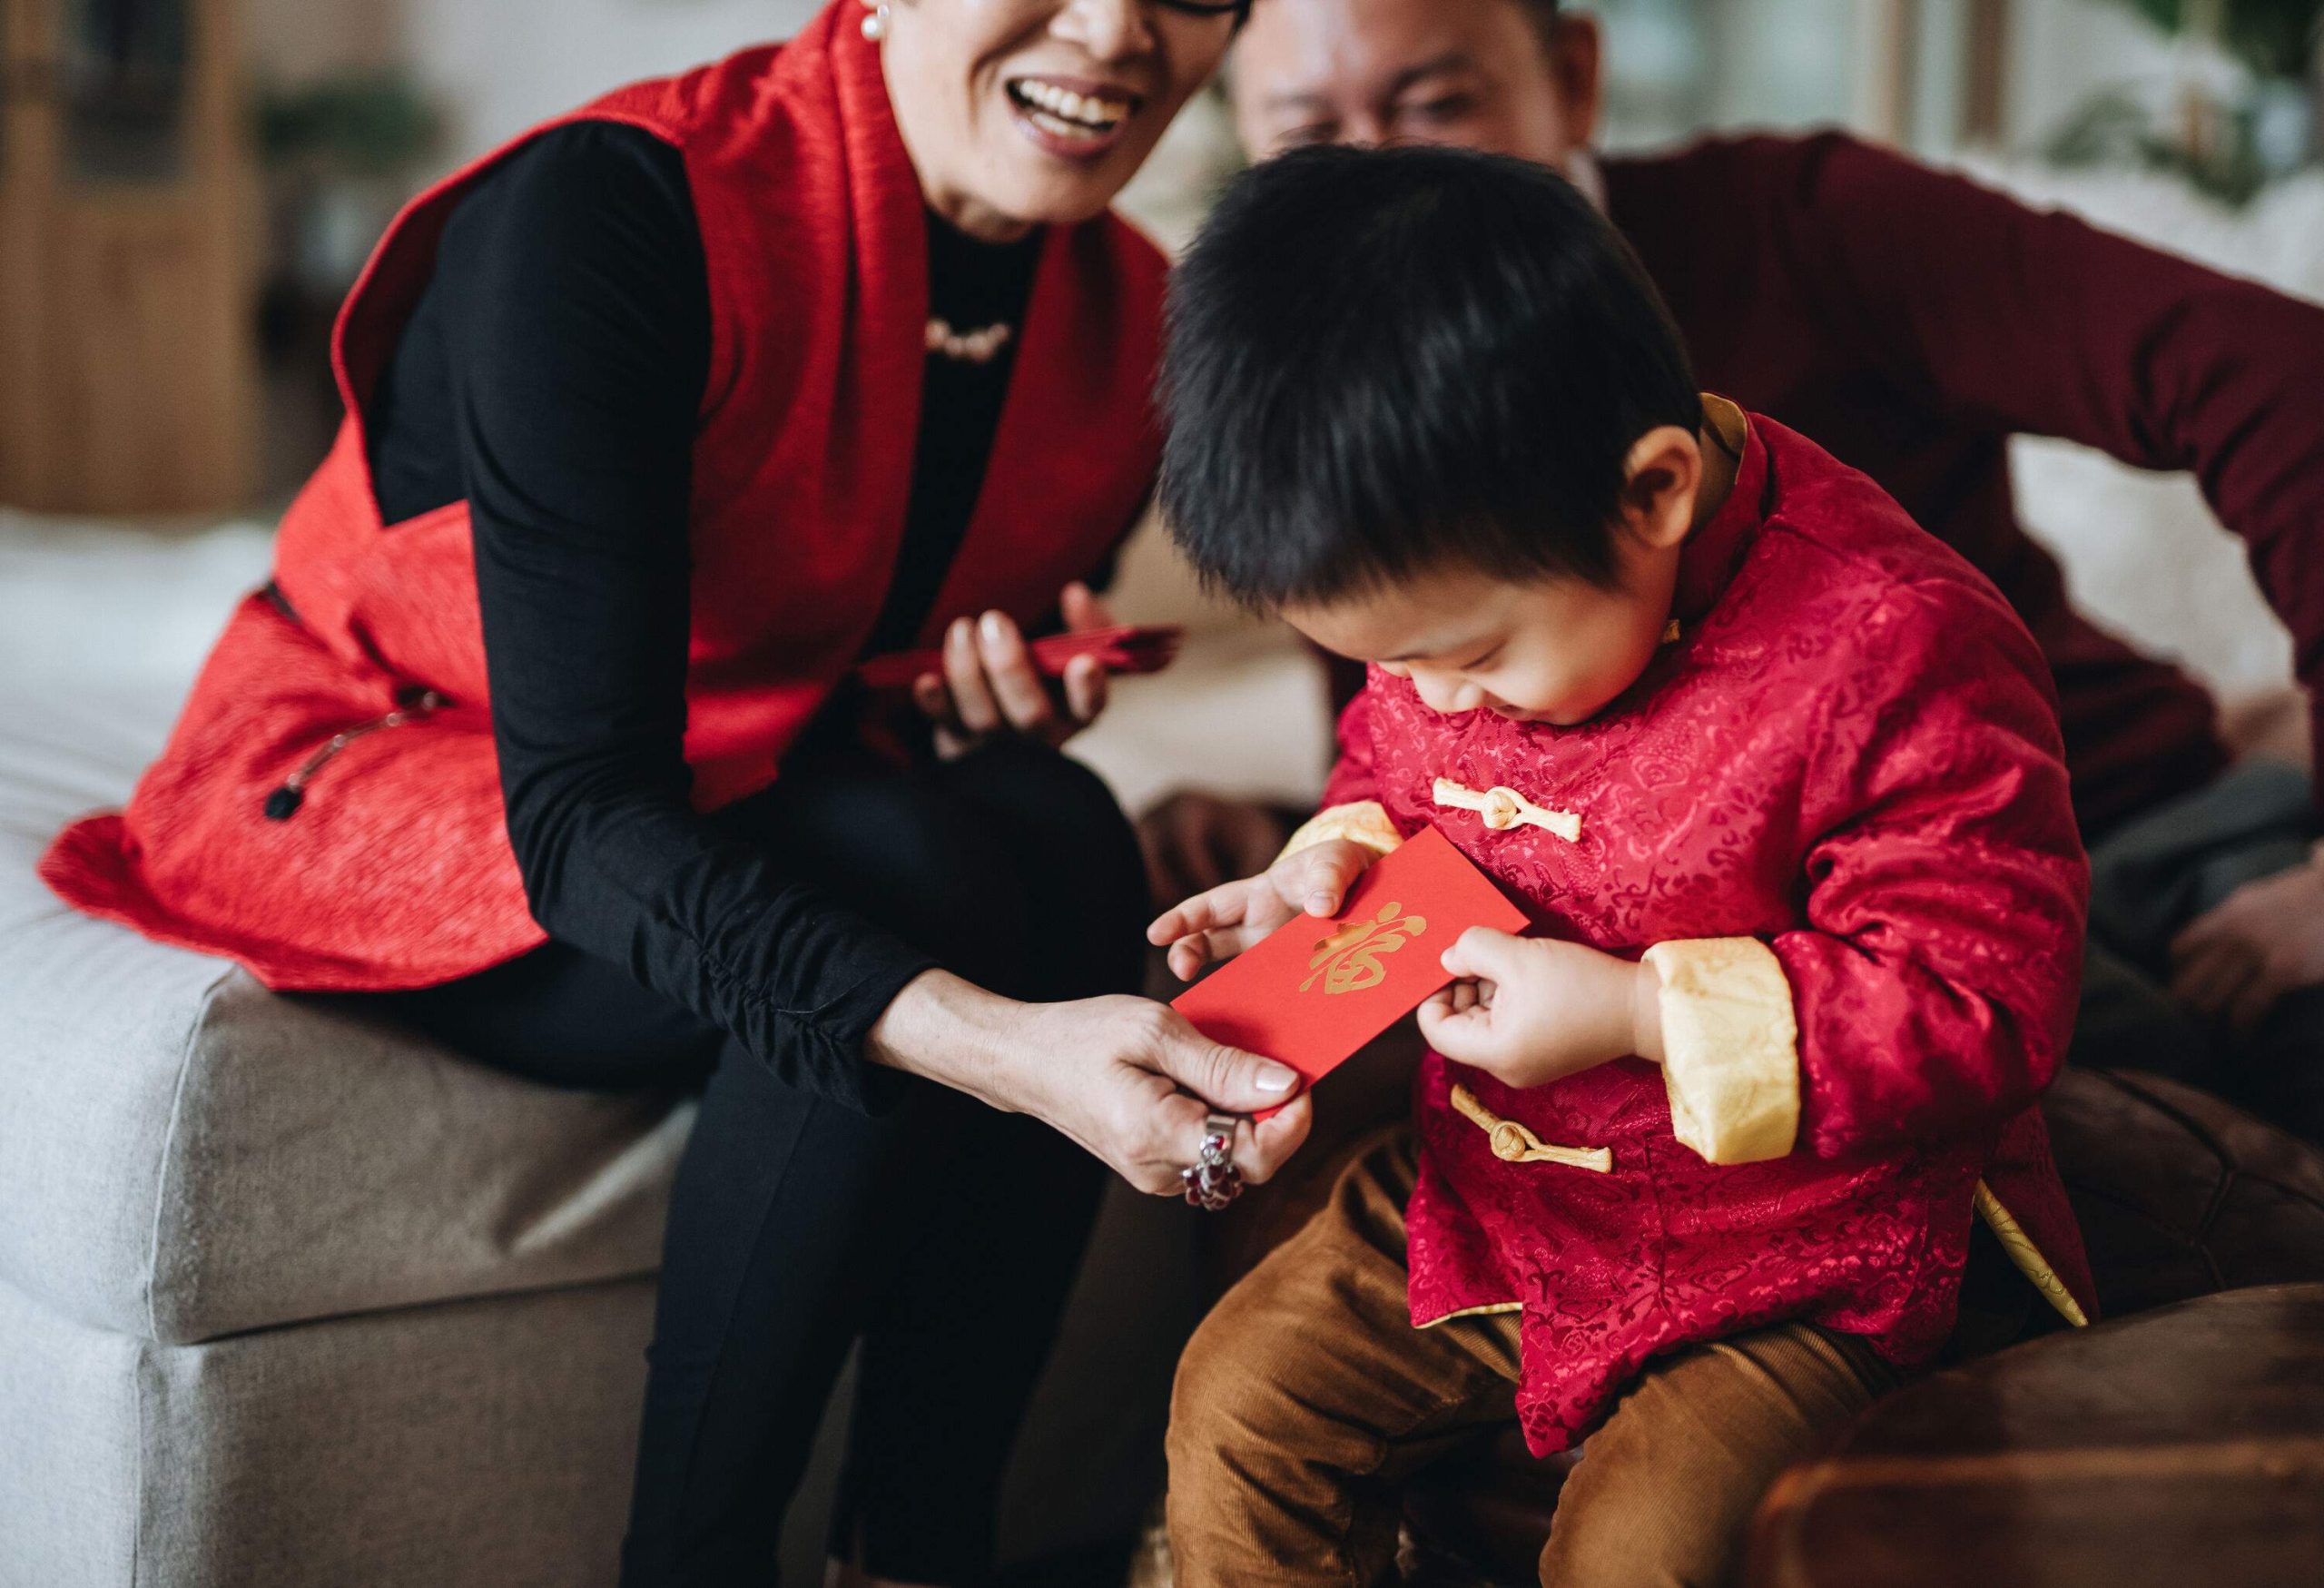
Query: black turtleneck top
{"points": [[552, 375]]}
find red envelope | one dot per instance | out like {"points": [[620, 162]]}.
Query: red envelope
{"points": [[1316, 990], [1127, 648]]}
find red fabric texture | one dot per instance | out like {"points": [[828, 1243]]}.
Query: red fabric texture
{"points": [[1910, 321], [1850, 753], [397, 871]]}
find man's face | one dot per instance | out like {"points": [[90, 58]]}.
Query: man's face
{"points": [[1472, 72]]}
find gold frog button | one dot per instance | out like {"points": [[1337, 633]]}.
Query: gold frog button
{"points": [[1501, 808]]}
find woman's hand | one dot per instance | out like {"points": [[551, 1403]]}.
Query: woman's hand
{"points": [[1231, 917], [1527, 1011], [990, 687], [1126, 1078]]}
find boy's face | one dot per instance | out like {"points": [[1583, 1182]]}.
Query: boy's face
{"points": [[1546, 648], [1554, 650]]}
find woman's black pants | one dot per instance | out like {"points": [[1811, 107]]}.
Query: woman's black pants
{"points": [[942, 1235]]}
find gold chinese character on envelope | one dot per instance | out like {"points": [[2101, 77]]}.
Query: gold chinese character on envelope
{"points": [[1348, 961]]}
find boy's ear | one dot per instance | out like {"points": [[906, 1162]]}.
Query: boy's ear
{"points": [[1660, 479]]}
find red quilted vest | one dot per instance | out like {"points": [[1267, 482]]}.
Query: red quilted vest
{"points": [[396, 871]]}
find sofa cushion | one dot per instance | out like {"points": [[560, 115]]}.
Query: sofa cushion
{"points": [[2179, 1194], [182, 1154], [2177, 1446]]}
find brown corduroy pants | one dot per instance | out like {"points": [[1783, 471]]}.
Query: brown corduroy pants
{"points": [[1307, 1396]]}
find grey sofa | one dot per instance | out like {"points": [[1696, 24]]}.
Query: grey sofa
{"points": [[288, 1297]]}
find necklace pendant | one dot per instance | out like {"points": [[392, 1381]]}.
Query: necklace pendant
{"points": [[967, 347]]}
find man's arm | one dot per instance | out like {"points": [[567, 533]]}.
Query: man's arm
{"points": [[2030, 321]]}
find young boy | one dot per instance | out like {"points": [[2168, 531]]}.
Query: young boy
{"points": [[1695, 1160]]}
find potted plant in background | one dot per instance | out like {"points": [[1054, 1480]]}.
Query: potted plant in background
{"points": [[2245, 107]]}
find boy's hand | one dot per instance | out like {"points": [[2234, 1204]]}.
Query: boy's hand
{"points": [[1527, 1011], [1231, 917]]}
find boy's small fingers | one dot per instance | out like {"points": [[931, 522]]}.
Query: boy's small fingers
{"points": [[1465, 1037], [1482, 953], [1438, 1017], [1197, 914], [1318, 879]]}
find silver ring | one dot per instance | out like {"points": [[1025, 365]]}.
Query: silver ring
{"points": [[1214, 1181]]}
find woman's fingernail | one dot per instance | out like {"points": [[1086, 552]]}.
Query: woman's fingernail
{"points": [[1273, 1077], [992, 626], [1319, 903]]}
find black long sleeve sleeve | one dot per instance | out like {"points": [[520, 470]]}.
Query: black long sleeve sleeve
{"points": [[552, 375]]}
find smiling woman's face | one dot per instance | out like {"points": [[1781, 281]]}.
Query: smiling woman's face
{"points": [[1023, 112]]}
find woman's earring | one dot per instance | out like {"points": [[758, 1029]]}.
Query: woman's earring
{"points": [[875, 27]]}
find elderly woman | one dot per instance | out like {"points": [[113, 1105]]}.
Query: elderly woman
{"points": [[543, 736]]}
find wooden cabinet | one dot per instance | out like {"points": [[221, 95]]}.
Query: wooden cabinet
{"points": [[129, 233]]}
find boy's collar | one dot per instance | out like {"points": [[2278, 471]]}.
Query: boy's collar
{"points": [[1712, 553]]}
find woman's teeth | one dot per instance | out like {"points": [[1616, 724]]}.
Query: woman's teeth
{"points": [[1065, 113]]}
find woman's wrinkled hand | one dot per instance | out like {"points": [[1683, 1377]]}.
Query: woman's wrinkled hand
{"points": [[1126, 1078], [989, 685], [1233, 916], [2262, 941]]}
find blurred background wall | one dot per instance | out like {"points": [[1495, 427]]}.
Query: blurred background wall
{"points": [[174, 364]]}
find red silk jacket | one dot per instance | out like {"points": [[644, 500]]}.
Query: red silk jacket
{"points": [[396, 871], [1832, 813]]}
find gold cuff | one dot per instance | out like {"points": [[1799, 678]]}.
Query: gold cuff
{"points": [[1365, 821], [1731, 1047]]}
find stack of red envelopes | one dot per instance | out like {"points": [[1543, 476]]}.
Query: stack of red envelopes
{"points": [[1129, 648]]}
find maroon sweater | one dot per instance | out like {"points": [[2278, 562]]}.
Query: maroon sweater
{"points": [[1911, 321]]}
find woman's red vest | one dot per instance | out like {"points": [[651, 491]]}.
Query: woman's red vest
{"points": [[395, 870]]}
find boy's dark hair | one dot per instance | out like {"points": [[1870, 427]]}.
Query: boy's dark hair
{"points": [[1382, 360]]}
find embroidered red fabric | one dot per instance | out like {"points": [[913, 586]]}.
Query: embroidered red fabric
{"points": [[396, 871], [1851, 752]]}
